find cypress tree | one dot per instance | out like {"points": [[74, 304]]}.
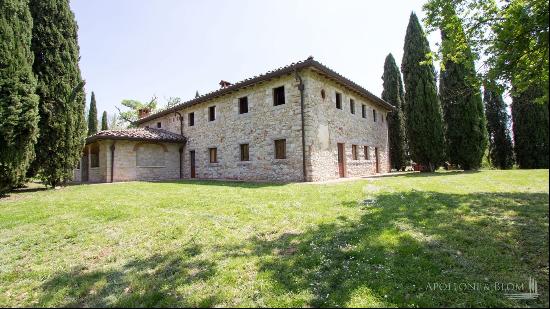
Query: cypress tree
{"points": [[18, 103], [60, 88], [423, 114], [530, 126], [104, 125], [394, 94], [500, 142], [465, 123], [92, 117]]}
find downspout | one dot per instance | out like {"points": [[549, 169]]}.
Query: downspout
{"points": [[112, 161], [301, 87], [181, 147]]}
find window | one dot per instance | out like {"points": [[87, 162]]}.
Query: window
{"points": [[352, 106], [366, 152], [213, 152], [243, 105], [354, 152], [191, 119], [159, 125], [279, 96], [212, 113], [280, 149], [374, 115], [338, 100], [94, 155], [363, 111], [244, 152]]}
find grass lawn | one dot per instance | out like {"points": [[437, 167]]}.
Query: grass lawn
{"points": [[444, 239]]}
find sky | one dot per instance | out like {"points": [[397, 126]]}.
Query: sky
{"points": [[137, 49]]}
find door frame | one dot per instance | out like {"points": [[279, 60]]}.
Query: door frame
{"points": [[341, 159], [192, 164]]}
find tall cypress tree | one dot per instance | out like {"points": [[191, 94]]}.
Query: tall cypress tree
{"points": [[60, 88], [423, 114], [18, 103], [465, 123], [530, 126], [92, 116], [500, 142], [104, 125], [394, 94]]}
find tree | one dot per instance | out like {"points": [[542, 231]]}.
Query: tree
{"points": [[18, 102], [465, 123], [530, 126], [60, 88], [500, 142], [104, 125], [512, 37], [423, 114], [394, 94], [92, 117], [197, 94], [128, 117]]}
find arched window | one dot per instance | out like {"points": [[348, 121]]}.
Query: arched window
{"points": [[150, 155]]}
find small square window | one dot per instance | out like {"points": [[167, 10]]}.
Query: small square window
{"points": [[280, 149], [212, 113], [366, 152], [279, 96], [363, 111], [191, 117], [338, 100], [243, 105], [244, 152], [213, 152], [159, 125], [354, 152], [352, 106]]}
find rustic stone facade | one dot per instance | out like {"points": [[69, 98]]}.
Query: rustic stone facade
{"points": [[325, 126]]}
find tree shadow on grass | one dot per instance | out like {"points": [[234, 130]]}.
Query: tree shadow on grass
{"points": [[407, 242], [147, 282]]}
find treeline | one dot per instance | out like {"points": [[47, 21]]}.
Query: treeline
{"points": [[454, 118], [42, 101]]}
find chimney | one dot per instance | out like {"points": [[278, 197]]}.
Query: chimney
{"points": [[224, 84], [143, 112]]}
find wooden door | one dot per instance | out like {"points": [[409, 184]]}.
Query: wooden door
{"points": [[377, 160], [341, 170], [192, 157]]}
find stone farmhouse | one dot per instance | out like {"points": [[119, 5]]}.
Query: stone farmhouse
{"points": [[301, 122]]}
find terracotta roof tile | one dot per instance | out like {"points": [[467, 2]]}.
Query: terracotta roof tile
{"points": [[309, 62], [139, 134]]}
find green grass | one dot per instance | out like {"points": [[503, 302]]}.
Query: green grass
{"points": [[202, 243]]}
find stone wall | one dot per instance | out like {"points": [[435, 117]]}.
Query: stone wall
{"points": [[260, 127], [326, 126]]}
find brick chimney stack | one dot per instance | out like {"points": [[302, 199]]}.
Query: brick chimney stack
{"points": [[143, 112], [224, 84]]}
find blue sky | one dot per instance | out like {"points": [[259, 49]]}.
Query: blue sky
{"points": [[134, 49]]}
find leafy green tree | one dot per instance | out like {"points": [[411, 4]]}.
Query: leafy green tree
{"points": [[104, 125], [18, 102], [60, 88], [394, 94], [530, 126], [465, 123], [128, 117], [92, 116], [511, 35], [501, 149], [423, 113]]}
